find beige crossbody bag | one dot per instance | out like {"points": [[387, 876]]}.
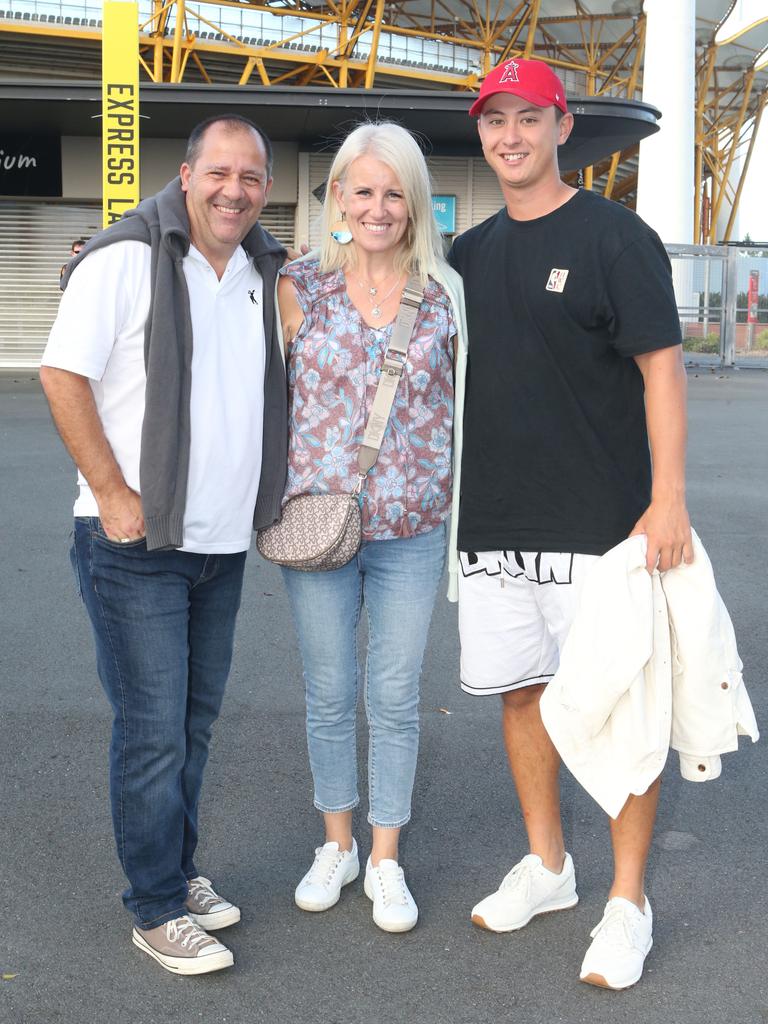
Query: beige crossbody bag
{"points": [[319, 532]]}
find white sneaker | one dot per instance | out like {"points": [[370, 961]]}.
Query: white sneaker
{"points": [[394, 908], [527, 890], [620, 944], [332, 869], [207, 909]]}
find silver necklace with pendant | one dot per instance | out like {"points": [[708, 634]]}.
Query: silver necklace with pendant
{"points": [[372, 292]]}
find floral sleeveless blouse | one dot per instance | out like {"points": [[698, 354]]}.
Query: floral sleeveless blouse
{"points": [[333, 371]]}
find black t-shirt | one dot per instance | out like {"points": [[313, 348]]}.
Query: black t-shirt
{"points": [[555, 446]]}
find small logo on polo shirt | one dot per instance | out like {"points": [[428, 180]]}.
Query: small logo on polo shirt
{"points": [[557, 279], [255, 301]]}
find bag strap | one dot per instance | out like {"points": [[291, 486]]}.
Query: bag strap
{"points": [[391, 372]]}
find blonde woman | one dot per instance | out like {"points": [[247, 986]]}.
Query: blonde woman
{"points": [[337, 309]]}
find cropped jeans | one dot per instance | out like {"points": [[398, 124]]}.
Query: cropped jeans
{"points": [[397, 581], [163, 622]]}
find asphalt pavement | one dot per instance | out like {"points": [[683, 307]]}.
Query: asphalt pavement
{"points": [[65, 950]]}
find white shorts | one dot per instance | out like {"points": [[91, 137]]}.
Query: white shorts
{"points": [[515, 610]]}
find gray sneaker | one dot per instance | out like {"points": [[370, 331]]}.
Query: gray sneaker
{"points": [[207, 908], [181, 947]]}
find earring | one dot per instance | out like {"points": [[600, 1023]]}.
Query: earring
{"points": [[340, 231]]}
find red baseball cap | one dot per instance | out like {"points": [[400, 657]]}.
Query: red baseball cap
{"points": [[532, 80]]}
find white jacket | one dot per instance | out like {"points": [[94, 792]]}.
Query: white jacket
{"points": [[650, 662]]}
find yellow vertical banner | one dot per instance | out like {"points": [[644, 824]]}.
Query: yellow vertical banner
{"points": [[120, 108]]}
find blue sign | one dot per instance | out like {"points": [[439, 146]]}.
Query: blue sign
{"points": [[444, 209]]}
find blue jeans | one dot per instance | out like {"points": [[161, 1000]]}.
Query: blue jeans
{"points": [[164, 624], [397, 580]]}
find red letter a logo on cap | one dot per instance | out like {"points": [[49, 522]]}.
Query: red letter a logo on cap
{"points": [[510, 73]]}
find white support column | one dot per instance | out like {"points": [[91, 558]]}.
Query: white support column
{"points": [[665, 197], [754, 217]]}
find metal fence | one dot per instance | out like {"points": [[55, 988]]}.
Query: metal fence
{"points": [[711, 286]]}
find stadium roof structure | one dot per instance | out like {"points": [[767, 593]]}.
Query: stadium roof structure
{"points": [[312, 116], [431, 51]]}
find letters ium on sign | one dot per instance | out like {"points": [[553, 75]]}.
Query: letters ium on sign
{"points": [[30, 165]]}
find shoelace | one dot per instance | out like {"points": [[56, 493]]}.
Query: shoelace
{"points": [[325, 865], [615, 928], [518, 878], [185, 931], [392, 884], [202, 893]]}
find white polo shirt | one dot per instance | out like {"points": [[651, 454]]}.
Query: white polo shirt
{"points": [[99, 333]]}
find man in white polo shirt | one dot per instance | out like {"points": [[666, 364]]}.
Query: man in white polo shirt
{"points": [[165, 381]]}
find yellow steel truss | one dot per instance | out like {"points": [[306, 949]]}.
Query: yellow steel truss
{"points": [[728, 113], [338, 44]]}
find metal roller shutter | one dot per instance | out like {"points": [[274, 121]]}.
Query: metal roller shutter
{"points": [[486, 193], [280, 221], [319, 166], [35, 240]]}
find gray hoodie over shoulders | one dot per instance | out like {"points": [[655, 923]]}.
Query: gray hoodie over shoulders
{"points": [[162, 223]]}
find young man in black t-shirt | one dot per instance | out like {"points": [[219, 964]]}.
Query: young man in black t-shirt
{"points": [[574, 367]]}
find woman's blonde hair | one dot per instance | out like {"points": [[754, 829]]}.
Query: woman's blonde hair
{"points": [[421, 249]]}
